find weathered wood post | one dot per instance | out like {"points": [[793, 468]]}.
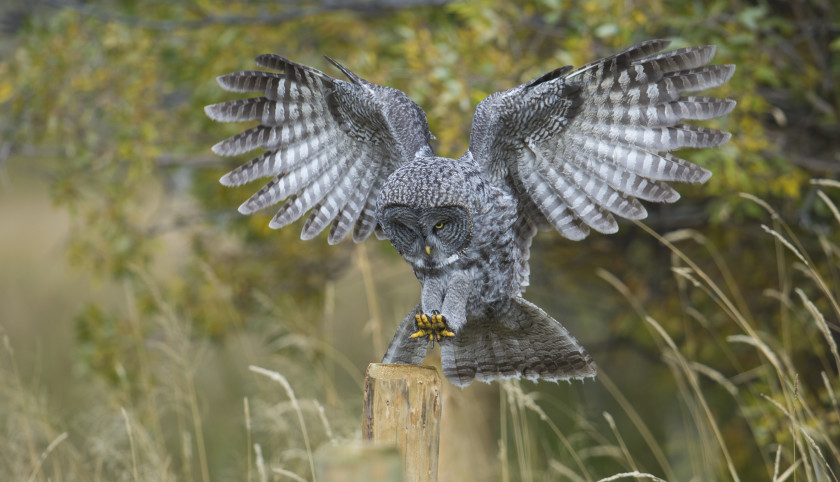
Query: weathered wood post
{"points": [[402, 406]]}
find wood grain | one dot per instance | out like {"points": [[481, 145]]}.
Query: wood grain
{"points": [[402, 406]]}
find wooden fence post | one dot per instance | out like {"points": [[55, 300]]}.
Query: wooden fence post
{"points": [[402, 406]]}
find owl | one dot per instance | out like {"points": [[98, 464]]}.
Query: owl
{"points": [[569, 151]]}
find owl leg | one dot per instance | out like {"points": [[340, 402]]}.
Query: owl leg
{"points": [[454, 306], [429, 321], [431, 297], [447, 303]]}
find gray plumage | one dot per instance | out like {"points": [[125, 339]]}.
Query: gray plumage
{"points": [[568, 150]]}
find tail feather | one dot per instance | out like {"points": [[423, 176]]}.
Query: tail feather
{"points": [[520, 341]]}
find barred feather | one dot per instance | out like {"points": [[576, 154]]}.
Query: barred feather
{"points": [[318, 134], [241, 110], [352, 209], [309, 194], [291, 182], [517, 340], [602, 192], [329, 207], [366, 222], [602, 134], [680, 59], [249, 81], [557, 213]]}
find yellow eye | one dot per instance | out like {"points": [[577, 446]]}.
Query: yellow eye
{"points": [[439, 225]]}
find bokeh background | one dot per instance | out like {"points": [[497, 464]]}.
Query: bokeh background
{"points": [[134, 298]]}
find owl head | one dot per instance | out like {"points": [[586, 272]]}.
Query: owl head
{"points": [[425, 209]]}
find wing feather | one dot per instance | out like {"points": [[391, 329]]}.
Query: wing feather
{"points": [[287, 183], [305, 197], [240, 110], [250, 81], [329, 207], [321, 136], [628, 184], [366, 222], [582, 145], [603, 192], [555, 211], [349, 214], [588, 199], [681, 59]]}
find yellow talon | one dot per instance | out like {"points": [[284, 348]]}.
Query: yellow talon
{"points": [[424, 327], [433, 326], [420, 331]]}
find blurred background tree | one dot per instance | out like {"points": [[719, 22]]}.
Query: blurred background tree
{"points": [[102, 106]]}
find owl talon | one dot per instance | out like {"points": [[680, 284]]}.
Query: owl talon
{"points": [[433, 326]]}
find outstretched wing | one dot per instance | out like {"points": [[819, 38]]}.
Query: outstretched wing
{"points": [[329, 144], [577, 146]]}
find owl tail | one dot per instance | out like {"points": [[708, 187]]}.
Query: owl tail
{"points": [[518, 341]]}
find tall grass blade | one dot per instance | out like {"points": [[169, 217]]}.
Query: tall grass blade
{"points": [[631, 475], [134, 473], [698, 393], [46, 453], [291, 394]]}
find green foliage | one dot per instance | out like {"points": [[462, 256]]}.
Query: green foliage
{"points": [[104, 100]]}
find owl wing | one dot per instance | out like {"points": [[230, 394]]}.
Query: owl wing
{"points": [[328, 144], [577, 146]]}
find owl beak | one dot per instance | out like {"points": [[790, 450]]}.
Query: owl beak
{"points": [[428, 250]]}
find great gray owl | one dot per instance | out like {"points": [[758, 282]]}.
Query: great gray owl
{"points": [[567, 150]]}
